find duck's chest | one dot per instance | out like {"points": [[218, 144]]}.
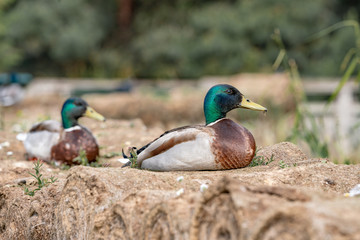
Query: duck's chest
{"points": [[72, 142], [233, 145]]}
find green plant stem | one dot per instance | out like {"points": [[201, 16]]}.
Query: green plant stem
{"points": [[41, 181], [300, 130]]}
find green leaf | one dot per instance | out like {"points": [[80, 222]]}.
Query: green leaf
{"points": [[344, 79], [347, 58]]}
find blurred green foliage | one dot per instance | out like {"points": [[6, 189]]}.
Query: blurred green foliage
{"points": [[169, 38], [9, 55]]}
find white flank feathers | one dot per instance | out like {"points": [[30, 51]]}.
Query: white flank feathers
{"points": [[38, 144], [189, 155]]}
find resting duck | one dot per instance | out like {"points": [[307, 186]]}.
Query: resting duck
{"points": [[48, 140], [220, 144]]}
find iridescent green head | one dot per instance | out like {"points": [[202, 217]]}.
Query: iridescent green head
{"points": [[223, 98], [74, 108]]}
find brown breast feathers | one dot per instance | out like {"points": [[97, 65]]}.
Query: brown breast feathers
{"points": [[71, 143], [233, 146]]}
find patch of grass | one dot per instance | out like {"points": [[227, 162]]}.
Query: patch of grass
{"points": [[313, 134], [347, 161], [41, 181], [351, 61], [282, 164], [133, 158], [301, 131], [64, 166], [261, 160], [111, 154], [82, 160]]}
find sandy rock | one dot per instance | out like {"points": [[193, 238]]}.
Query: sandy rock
{"points": [[285, 152], [231, 210], [113, 203], [291, 196]]}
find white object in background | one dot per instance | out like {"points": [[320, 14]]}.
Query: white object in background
{"points": [[11, 94]]}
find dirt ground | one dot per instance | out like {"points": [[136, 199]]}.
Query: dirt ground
{"points": [[293, 196]]}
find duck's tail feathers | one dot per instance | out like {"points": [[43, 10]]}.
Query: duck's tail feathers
{"points": [[124, 155], [124, 160]]}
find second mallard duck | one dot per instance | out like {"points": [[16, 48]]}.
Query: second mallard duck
{"points": [[220, 144], [51, 140]]}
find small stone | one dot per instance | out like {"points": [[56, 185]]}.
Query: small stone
{"points": [[329, 181], [179, 192], [203, 187], [179, 179], [21, 182], [5, 144]]}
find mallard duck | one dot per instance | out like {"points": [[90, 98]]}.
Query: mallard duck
{"points": [[219, 144], [51, 140]]}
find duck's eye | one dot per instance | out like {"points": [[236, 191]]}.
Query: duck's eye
{"points": [[229, 91], [78, 103], [247, 100]]}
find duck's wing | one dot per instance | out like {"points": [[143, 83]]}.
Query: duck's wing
{"points": [[175, 144], [178, 130], [41, 137], [178, 133], [48, 125]]}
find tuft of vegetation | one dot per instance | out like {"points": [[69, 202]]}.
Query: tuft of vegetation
{"points": [[111, 154], [301, 131], [282, 164], [261, 160], [307, 128], [41, 181], [351, 61], [133, 158], [81, 159]]}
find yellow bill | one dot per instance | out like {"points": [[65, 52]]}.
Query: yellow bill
{"points": [[91, 113], [246, 103]]}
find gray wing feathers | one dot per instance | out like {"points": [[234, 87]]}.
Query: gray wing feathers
{"points": [[48, 125]]}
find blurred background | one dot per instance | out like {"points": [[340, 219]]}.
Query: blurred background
{"points": [[155, 60]]}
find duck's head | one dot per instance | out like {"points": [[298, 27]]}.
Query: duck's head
{"points": [[74, 108], [222, 98]]}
